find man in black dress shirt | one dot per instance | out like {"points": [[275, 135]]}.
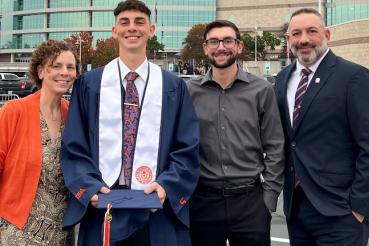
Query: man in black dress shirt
{"points": [[241, 140]]}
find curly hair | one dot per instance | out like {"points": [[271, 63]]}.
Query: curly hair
{"points": [[45, 54], [134, 5]]}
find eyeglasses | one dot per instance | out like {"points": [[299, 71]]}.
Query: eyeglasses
{"points": [[228, 43]]}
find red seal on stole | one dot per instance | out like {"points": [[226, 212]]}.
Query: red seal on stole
{"points": [[143, 174]]}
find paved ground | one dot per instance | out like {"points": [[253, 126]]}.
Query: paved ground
{"points": [[279, 234]]}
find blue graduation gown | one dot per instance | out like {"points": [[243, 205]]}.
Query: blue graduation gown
{"points": [[178, 166]]}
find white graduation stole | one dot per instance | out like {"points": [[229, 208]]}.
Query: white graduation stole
{"points": [[145, 162]]}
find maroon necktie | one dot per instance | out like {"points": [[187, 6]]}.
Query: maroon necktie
{"points": [[131, 114], [300, 92]]}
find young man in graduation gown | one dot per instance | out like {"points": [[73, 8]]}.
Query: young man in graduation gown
{"points": [[102, 149]]}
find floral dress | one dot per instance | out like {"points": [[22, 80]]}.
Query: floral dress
{"points": [[43, 226]]}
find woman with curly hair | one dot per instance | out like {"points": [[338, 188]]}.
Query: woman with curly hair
{"points": [[33, 195]]}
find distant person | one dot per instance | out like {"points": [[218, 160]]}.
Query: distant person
{"points": [[33, 196], [190, 69], [241, 138], [131, 125], [199, 70], [185, 68], [323, 100]]}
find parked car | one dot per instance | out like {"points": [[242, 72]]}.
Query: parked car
{"points": [[269, 78], [12, 84]]}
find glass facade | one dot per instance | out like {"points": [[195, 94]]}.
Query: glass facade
{"points": [[339, 11], [27, 41], [23, 30], [20, 5], [65, 20], [100, 35], [60, 35], [105, 2], [68, 3], [28, 22], [102, 19]]}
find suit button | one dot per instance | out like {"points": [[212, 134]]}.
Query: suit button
{"points": [[293, 144]]}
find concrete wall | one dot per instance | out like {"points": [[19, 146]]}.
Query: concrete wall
{"points": [[266, 15], [351, 41], [260, 68]]}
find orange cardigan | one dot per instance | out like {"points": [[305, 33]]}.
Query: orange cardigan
{"points": [[20, 156]]}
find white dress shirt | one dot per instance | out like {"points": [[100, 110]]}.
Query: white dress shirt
{"points": [[140, 82], [294, 82]]}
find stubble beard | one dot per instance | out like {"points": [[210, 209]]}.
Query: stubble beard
{"points": [[231, 60], [314, 55]]}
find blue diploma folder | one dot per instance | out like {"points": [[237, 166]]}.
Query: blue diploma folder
{"points": [[129, 199]]}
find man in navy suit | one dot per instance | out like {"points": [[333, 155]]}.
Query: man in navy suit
{"points": [[324, 105]]}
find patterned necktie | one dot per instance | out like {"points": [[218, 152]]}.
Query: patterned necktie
{"points": [[131, 114], [300, 92]]}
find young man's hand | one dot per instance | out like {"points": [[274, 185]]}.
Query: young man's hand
{"points": [[159, 189], [94, 199]]}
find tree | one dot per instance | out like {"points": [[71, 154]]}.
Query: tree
{"points": [[87, 49], [193, 44], [105, 51], [283, 36], [270, 40], [153, 46], [265, 42], [249, 43]]}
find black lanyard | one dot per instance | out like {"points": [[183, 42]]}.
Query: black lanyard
{"points": [[147, 80]]}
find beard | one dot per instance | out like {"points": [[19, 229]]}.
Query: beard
{"points": [[230, 61], [314, 55]]}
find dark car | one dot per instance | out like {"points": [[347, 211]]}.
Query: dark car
{"points": [[12, 84], [269, 78]]}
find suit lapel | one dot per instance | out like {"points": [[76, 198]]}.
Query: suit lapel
{"points": [[319, 79], [284, 85]]}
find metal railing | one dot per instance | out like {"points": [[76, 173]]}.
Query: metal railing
{"points": [[7, 97], [67, 97]]}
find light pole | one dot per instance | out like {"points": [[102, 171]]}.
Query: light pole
{"points": [[287, 49], [80, 52], [256, 45], [320, 7]]}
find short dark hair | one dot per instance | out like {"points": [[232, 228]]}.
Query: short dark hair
{"points": [[307, 11], [222, 23], [45, 54], [132, 5]]}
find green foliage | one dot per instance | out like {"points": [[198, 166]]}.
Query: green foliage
{"points": [[153, 46], [266, 41], [282, 36], [271, 40], [193, 44]]}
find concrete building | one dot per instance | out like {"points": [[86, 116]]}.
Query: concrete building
{"points": [[24, 24], [349, 25], [347, 19]]}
